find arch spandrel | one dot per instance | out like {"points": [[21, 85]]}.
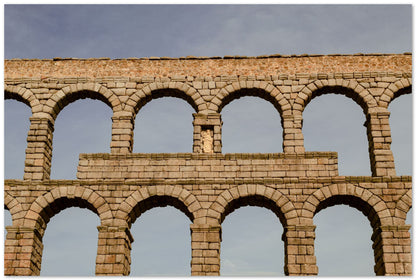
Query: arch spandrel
{"points": [[167, 89], [372, 206], [253, 195], [349, 88], [74, 92], [394, 90], [150, 197], [61, 198], [15, 208], [23, 95], [259, 89], [403, 206]]}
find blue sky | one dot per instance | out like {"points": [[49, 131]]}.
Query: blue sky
{"points": [[165, 125]]}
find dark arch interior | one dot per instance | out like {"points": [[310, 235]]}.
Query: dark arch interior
{"points": [[159, 93], [254, 200], [256, 92], [83, 94], [15, 96], [340, 90], [354, 202], [405, 90], [59, 205], [158, 201]]}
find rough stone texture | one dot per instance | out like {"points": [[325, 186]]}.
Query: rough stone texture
{"points": [[207, 185]]}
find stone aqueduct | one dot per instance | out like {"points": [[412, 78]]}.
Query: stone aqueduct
{"points": [[207, 185]]}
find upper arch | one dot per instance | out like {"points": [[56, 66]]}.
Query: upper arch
{"points": [[372, 206], [394, 90], [14, 206], [60, 198], [405, 201], [403, 206], [349, 88], [158, 89], [23, 95], [253, 195], [74, 92], [157, 196], [260, 89]]}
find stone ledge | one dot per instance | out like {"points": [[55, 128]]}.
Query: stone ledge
{"points": [[196, 156], [190, 57], [146, 182], [145, 80]]}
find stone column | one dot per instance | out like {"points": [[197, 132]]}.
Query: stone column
{"points": [[39, 149], [299, 250], [292, 134], [122, 133], [392, 250], [22, 251], [206, 243], [379, 139], [207, 133], [113, 253]]}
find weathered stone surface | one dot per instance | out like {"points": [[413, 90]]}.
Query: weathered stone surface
{"points": [[207, 185]]}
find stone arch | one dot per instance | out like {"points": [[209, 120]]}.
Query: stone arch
{"points": [[403, 206], [74, 92], [23, 95], [164, 89], [349, 88], [372, 206], [149, 197], [260, 89], [394, 90], [60, 198], [253, 195], [14, 206]]}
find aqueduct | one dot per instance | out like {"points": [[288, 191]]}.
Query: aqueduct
{"points": [[121, 185]]}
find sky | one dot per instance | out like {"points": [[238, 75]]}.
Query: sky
{"points": [[251, 236]]}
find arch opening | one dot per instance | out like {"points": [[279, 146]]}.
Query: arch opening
{"points": [[9, 95], [8, 221], [253, 200], [58, 205], [347, 92], [401, 125], [155, 202], [334, 123], [343, 245], [251, 125], [16, 128], [159, 93], [71, 97], [353, 202], [251, 243], [83, 127], [162, 244], [70, 234], [164, 125], [252, 92], [400, 92]]}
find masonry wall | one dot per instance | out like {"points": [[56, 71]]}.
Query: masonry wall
{"points": [[207, 185], [200, 166]]}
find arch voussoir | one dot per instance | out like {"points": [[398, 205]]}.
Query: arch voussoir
{"points": [[223, 203], [265, 90], [67, 94], [97, 203], [314, 201], [178, 89], [189, 201], [24, 95]]}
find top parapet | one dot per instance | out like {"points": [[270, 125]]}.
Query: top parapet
{"points": [[207, 66]]}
